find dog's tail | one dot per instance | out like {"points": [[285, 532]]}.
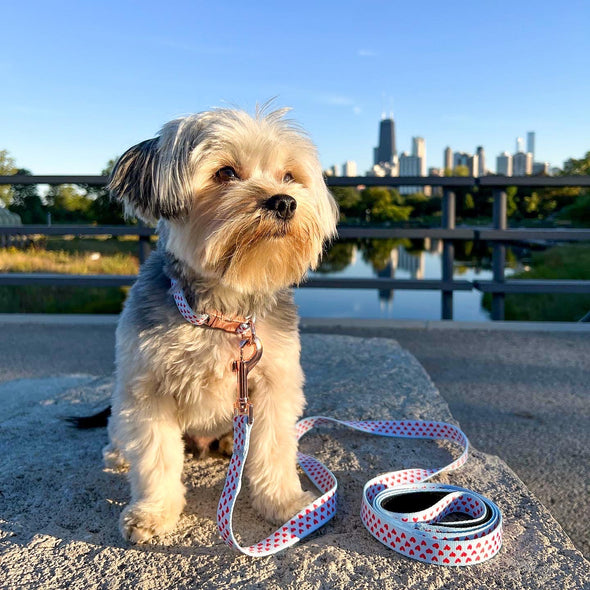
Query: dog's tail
{"points": [[99, 420]]}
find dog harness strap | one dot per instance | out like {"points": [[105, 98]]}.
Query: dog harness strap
{"points": [[473, 536]]}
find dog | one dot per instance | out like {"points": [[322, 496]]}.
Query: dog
{"points": [[242, 212]]}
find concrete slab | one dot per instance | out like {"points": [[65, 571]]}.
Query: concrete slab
{"points": [[59, 509]]}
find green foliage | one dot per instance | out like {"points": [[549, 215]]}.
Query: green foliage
{"points": [[581, 166], [26, 202], [579, 211], [7, 167], [383, 205], [461, 171], [338, 257], [55, 299], [104, 210], [377, 253], [68, 205]]}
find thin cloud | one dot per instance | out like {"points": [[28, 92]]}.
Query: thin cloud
{"points": [[366, 53]]}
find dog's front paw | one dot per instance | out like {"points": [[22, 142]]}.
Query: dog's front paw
{"points": [[280, 512], [139, 525]]}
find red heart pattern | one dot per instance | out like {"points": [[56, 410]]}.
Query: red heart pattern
{"points": [[419, 535]]}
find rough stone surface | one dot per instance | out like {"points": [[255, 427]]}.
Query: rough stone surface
{"points": [[59, 509]]}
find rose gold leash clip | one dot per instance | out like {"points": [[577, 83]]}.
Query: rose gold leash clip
{"points": [[242, 367]]}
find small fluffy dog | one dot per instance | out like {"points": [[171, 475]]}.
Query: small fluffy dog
{"points": [[243, 212]]}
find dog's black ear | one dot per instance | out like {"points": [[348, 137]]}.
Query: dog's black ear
{"points": [[138, 180]]}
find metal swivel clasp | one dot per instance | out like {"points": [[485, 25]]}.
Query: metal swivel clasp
{"points": [[242, 367]]}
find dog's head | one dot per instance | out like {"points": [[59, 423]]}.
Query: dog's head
{"points": [[243, 198]]}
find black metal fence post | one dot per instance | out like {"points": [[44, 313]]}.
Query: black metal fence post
{"points": [[145, 248], [499, 253], [448, 257]]}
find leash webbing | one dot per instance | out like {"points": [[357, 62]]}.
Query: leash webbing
{"points": [[423, 535], [473, 535]]}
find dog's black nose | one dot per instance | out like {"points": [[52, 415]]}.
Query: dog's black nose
{"points": [[283, 206]]}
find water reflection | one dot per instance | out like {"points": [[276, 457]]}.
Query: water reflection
{"points": [[405, 259]]}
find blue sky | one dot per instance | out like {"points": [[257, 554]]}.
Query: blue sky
{"points": [[82, 81]]}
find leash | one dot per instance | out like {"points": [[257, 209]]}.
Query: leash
{"points": [[429, 522]]}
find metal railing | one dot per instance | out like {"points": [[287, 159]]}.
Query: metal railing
{"points": [[499, 234]]}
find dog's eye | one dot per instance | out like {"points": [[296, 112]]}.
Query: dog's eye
{"points": [[288, 177], [226, 174]]}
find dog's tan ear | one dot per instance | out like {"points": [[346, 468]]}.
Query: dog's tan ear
{"points": [[139, 181]]}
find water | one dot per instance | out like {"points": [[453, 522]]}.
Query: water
{"points": [[401, 304]]}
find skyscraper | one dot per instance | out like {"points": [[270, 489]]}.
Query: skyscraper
{"points": [[386, 149], [419, 150], [522, 164], [481, 161], [448, 159], [504, 164], [530, 143]]}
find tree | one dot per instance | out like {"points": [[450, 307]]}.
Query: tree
{"points": [[26, 202], [7, 168], [573, 166], [104, 210], [349, 201], [380, 204], [67, 205]]}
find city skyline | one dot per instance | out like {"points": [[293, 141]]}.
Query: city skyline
{"points": [[388, 162], [84, 81]]}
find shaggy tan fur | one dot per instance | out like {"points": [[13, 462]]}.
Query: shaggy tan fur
{"points": [[222, 184]]}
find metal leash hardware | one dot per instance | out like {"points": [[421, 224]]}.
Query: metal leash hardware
{"points": [[242, 367]]}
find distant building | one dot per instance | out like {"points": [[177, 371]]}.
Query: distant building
{"points": [[419, 150], [435, 191], [410, 165], [522, 164], [519, 145], [530, 143], [460, 159], [386, 149], [385, 168], [541, 168], [481, 162], [504, 164], [448, 159], [349, 168], [471, 162]]}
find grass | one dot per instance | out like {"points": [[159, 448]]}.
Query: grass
{"points": [[94, 256], [568, 261]]}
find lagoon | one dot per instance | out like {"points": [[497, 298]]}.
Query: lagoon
{"points": [[401, 262]]}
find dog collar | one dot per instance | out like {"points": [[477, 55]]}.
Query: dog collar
{"points": [[237, 325]]}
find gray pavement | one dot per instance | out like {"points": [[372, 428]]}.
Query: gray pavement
{"points": [[59, 509]]}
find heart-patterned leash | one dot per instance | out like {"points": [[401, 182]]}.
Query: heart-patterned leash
{"points": [[427, 534], [429, 522]]}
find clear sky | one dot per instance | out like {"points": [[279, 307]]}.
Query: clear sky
{"points": [[80, 81]]}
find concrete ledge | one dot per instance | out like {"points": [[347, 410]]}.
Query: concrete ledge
{"points": [[60, 510]]}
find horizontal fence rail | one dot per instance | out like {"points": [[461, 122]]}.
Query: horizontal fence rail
{"points": [[499, 235]]}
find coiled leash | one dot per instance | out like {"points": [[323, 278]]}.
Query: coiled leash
{"points": [[429, 522]]}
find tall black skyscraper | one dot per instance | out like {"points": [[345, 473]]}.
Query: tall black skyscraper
{"points": [[385, 151]]}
